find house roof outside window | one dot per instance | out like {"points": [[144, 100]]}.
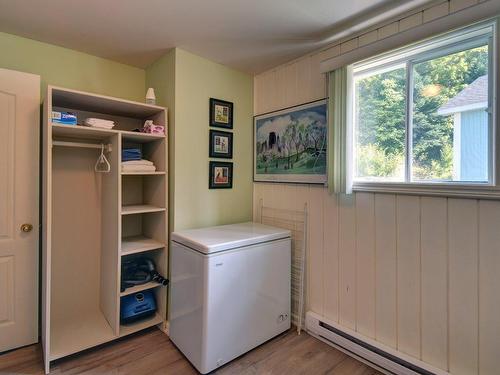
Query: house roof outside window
{"points": [[473, 97]]}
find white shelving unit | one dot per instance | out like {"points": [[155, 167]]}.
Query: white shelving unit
{"points": [[92, 221], [140, 209], [138, 244]]}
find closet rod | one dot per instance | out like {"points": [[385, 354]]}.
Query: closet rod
{"points": [[83, 145]]}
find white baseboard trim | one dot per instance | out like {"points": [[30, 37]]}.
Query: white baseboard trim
{"points": [[369, 351]]}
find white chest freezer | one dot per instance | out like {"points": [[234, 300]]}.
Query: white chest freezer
{"points": [[229, 290]]}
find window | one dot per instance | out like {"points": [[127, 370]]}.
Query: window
{"points": [[422, 114]]}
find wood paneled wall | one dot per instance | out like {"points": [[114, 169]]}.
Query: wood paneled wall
{"points": [[419, 274]]}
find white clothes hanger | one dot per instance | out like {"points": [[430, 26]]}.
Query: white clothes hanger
{"points": [[102, 165]]}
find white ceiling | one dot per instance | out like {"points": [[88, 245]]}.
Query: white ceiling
{"points": [[249, 35]]}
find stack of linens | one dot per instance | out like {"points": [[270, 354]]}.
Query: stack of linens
{"points": [[132, 161], [138, 166], [99, 123], [131, 154]]}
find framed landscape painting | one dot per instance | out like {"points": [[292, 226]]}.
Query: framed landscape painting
{"points": [[290, 145]]}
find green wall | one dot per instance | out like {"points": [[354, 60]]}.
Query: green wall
{"points": [[183, 83], [198, 79], [195, 81], [68, 68]]}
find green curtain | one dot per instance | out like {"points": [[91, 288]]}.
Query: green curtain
{"points": [[337, 132]]}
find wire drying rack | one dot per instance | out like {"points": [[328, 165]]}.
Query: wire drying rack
{"points": [[296, 222]]}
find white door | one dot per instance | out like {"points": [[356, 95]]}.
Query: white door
{"points": [[19, 157]]}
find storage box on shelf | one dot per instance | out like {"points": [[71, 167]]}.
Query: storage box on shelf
{"points": [[158, 256], [91, 220]]}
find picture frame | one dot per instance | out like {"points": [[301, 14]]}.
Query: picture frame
{"points": [[220, 175], [221, 144], [221, 113], [290, 145]]}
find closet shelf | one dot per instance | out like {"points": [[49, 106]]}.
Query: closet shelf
{"points": [[140, 209], [67, 98], [81, 132], [143, 173], [135, 327], [139, 288], [139, 244], [137, 137], [87, 132]]}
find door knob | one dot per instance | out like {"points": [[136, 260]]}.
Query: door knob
{"points": [[26, 228]]}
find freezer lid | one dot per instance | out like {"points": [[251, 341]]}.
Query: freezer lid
{"points": [[226, 237]]}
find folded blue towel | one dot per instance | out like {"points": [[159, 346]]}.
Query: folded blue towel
{"points": [[131, 154]]}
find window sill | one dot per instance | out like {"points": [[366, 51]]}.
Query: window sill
{"points": [[474, 191]]}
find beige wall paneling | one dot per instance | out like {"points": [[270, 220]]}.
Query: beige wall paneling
{"points": [[301, 198], [408, 272], [437, 11], [280, 195], [456, 5], [347, 261], [304, 79], [411, 21], [349, 45], [386, 270], [463, 284], [434, 281], [489, 282], [365, 264], [315, 232], [267, 194], [296, 83], [368, 38], [290, 195], [257, 92], [388, 30], [331, 256], [329, 53], [290, 73], [422, 272], [300, 201], [268, 97], [318, 79], [257, 201], [280, 88]]}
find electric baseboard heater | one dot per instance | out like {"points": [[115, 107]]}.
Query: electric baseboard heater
{"points": [[372, 353]]}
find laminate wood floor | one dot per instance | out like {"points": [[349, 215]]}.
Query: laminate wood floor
{"points": [[152, 353]]}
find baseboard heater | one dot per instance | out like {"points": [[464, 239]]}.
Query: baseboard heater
{"points": [[367, 350]]}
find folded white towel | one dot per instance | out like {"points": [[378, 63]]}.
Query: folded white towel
{"points": [[99, 123], [138, 168], [93, 121], [137, 162]]}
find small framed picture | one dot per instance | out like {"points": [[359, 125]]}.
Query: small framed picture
{"points": [[221, 113], [220, 175], [221, 144]]}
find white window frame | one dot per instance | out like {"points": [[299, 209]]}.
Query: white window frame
{"points": [[442, 45]]}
